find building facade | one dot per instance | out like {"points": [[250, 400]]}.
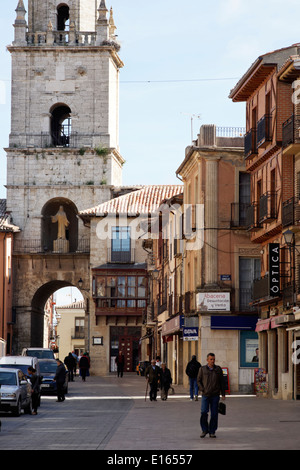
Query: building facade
{"points": [[268, 89], [219, 260], [119, 277], [7, 234], [71, 329]]}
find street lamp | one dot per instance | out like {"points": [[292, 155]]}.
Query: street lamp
{"points": [[289, 237]]}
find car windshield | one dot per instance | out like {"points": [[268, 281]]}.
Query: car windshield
{"points": [[40, 354], [22, 367], [48, 367], [8, 378]]}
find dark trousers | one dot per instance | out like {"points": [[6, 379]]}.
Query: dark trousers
{"points": [[153, 390], [209, 403], [35, 401], [71, 375], [60, 391], [120, 370]]}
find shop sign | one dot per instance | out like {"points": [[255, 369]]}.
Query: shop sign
{"points": [[274, 269], [213, 301], [190, 334], [98, 340]]}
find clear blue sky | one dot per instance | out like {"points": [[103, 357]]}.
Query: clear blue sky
{"points": [[181, 59]]}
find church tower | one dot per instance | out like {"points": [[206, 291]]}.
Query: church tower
{"points": [[63, 153]]}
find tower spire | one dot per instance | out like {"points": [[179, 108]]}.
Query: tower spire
{"points": [[102, 27], [20, 25]]}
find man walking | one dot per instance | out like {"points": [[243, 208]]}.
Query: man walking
{"points": [[211, 385], [152, 374], [60, 378], [192, 370]]}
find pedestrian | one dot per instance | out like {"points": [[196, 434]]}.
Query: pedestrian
{"points": [[211, 385], [192, 370], [120, 361], [35, 385], [152, 374], [84, 366], [76, 362], [70, 362], [60, 378], [165, 381]]}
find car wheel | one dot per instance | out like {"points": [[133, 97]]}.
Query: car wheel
{"points": [[17, 411]]}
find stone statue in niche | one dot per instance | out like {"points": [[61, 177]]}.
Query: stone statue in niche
{"points": [[61, 244]]}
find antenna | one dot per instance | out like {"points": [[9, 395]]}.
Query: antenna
{"points": [[198, 116]]}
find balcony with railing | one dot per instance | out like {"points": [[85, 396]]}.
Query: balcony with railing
{"points": [[264, 130], [122, 256], [291, 135], [252, 217], [260, 288], [290, 212], [35, 246], [267, 207], [250, 143]]}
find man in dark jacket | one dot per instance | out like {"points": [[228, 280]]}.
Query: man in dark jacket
{"points": [[192, 370], [211, 385], [71, 365], [152, 374], [60, 378], [165, 381]]}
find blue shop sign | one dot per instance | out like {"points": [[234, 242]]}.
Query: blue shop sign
{"points": [[227, 322]]}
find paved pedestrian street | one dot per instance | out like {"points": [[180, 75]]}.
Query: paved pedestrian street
{"points": [[111, 414]]}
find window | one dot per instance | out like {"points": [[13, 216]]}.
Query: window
{"points": [[121, 291], [244, 197], [249, 269], [248, 349], [79, 327], [121, 245]]}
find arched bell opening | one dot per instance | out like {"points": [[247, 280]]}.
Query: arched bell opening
{"points": [[60, 125], [63, 17]]}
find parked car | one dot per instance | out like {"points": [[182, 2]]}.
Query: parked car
{"points": [[40, 353], [48, 369], [15, 391], [22, 363]]}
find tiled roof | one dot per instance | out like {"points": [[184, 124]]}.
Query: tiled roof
{"points": [[143, 201], [78, 304]]}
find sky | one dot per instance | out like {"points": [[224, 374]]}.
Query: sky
{"points": [[181, 59]]}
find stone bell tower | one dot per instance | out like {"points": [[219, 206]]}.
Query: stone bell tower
{"points": [[63, 152]]}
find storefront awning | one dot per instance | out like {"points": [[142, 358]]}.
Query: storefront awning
{"points": [[263, 325], [172, 326]]}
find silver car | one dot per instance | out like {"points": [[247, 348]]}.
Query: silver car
{"points": [[15, 392]]}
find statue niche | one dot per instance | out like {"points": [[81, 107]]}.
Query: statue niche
{"points": [[61, 244], [59, 227]]}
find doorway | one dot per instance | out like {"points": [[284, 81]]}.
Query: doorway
{"points": [[125, 339]]}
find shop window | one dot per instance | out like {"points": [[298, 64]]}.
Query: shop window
{"points": [[249, 352]]}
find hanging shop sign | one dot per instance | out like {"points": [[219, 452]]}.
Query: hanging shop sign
{"points": [[274, 269], [190, 333], [213, 301]]}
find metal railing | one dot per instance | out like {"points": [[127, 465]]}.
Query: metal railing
{"points": [[230, 131], [31, 246], [264, 129], [250, 143], [267, 207]]}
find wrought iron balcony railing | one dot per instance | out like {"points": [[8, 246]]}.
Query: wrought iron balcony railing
{"points": [[264, 130], [267, 207], [250, 143], [291, 131]]}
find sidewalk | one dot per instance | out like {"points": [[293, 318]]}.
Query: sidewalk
{"points": [[251, 423]]}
